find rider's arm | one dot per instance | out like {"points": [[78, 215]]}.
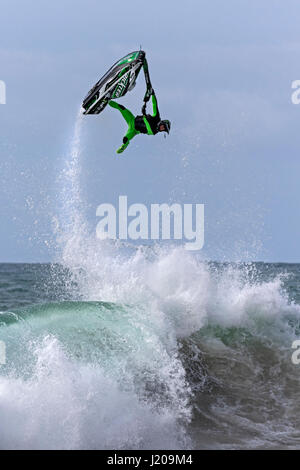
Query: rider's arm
{"points": [[155, 113], [154, 105]]}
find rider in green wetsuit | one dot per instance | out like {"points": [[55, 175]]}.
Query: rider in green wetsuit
{"points": [[145, 124]]}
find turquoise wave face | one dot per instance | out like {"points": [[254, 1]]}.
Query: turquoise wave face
{"points": [[116, 337], [68, 360]]}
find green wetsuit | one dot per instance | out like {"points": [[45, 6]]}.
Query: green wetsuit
{"points": [[146, 124]]}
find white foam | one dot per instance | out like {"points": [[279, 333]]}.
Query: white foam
{"points": [[68, 405]]}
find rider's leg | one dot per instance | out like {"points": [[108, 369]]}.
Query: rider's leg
{"points": [[127, 115], [130, 119]]}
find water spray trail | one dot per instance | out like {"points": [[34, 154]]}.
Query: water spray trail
{"points": [[72, 201], [71, 225]]}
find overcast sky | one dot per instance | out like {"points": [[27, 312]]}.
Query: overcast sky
{"points": [[222, 72]]}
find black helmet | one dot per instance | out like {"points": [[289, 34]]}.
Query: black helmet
{"points": [[167, 125]]}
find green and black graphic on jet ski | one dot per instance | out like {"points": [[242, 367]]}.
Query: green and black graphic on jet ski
{"points": [[119, 79]]}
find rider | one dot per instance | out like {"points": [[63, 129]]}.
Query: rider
{"points": [[145, 124]]}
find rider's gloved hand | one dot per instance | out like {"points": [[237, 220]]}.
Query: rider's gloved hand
{"points": [[124, 146]]}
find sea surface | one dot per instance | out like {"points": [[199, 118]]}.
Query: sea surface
{"points": [[153, 349]]}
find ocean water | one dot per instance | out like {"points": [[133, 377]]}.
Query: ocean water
{"points": [[149, 350], [134, 347]]}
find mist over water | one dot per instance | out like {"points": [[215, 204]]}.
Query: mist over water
{"points": [[125, 347]]}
